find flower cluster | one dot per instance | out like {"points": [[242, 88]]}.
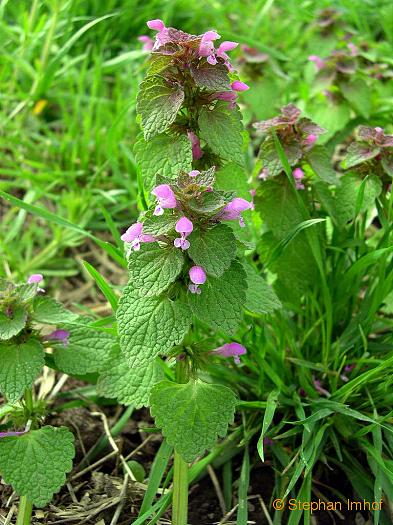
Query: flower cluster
{"points": [[17, 311], [372, 152], [297, 135], [338, 65], [192, 55], [182, 206]]}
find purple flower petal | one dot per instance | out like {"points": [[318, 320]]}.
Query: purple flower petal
{"points": [[197, 275], [226, 46], [239, 86], [35, 278], [165, 197], [195, 145], [184, 225], [156, 24], [231, 350], [210, 35], [59, 335], [132, 233]]}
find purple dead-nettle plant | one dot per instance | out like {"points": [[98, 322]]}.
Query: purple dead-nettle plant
{"points": [[36, 330], [371, 154], [298, 138], [188, 275]]}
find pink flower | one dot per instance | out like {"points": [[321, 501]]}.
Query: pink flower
{"points": [[165, 198], [198, 276], [310, 139], [148, 42], [239, 86], [59, 335], [353, 49], [35, 278], [207, 49], [226, 46], [195, 145], [298, 175], [156, 24], [194, 173], [233, 210], [319, 389], [221, 52], [319, 63], [228, 96], [183, 226], [231, 350], [134, 236], [263, 174]]}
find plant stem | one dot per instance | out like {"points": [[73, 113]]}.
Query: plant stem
{"points": [[25, 510], [25, 505], [180, 474]]}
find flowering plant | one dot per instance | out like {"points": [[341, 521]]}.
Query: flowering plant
{"points": [[26, 345], [186, 264]]}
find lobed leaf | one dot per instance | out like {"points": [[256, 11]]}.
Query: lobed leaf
{"points": [[166, 154], [12, 322], [153, 269], [129, 385], [213, 249], [192, 415], [220, 304], [49, 311], [149, 326], [21, 363], [36, 463], [158, 102], [222, 129], [87, 351]]}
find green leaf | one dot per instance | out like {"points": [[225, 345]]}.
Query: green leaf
{"points": [[387, 163], [214, 78], [220, 304], [21, 364], [36, 463], [269, 157], [213, 249], [320, 162], [276, 201], [192, 415], [222, 129], [261, 298], [271, 405], [159, 224], [358, 95], [232, 177], [158, 103], [130, 386], [347, 192], [209, 203], [13, 322], [87, 351], [149, 326], [164, 154], [49, 311], [153, 269], [358, 153]]}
